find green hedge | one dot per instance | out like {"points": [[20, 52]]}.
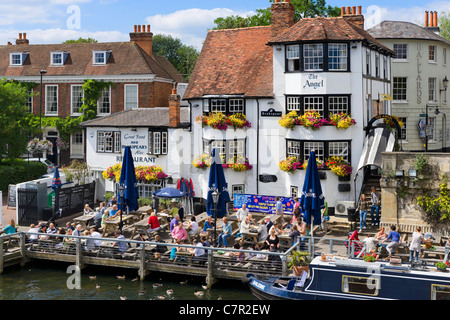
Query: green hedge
{"points": [[19, 171]]}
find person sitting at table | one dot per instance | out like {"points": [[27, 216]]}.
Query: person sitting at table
{"points": [[68, 240], [159, 248], [240, 256], [205, 241], [51, 228], [179, 233], [251, 220], [272, 239], [257, 254], [11, 227], [244, 227], [98, 215], [174, 222], [95, 234], [87, 210], [277, 228], [153, 223], [303, 232], [88, 243], [174, 211], [262, 231], [114, 212], [193, 227], [226, 232], [294, 235], [34, 230], [269, 223], [121, 245], [77, 231], [199, 254], [209, 224], [69, 226], [112, 202]]}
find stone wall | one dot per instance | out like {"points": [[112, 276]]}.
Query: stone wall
{"points": [[399, 194]]}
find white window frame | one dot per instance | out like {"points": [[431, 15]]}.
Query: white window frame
{"points": [[238, 188], [218, 105], [341, 59], [313, 57], [293, 103], [315, 103], [404, 131], [236, 106], [126, 96], [52, 58], [73, 137], [432, 50], [72, 101], [339, 149], [294, 192], [96, 54], [293, 57], [52, 113], [30, 101], [338, 104], [100, 102], [11, 55], [114, 146], [406, 89], [403, 49], [158, 142], [432, 87]]}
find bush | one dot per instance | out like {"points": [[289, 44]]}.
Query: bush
{"points": [[18, 171]]}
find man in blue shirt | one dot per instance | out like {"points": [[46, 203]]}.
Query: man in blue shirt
{"points": [[395, 237], [174, 222], [226, 232], [121, 246], [279, 207]]}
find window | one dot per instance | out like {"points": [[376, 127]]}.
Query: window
{"points": [[377, 65], [51, 100], [444, 56], [432, 54], [17, 58], [359, 285], [322, 104], [236, 148], [293, 57], [324, 149], [294, 191], [403, 129], [157, 142], [238, 188], [228, 149], [218, 105], [401, 51], [227, 106], [432, 126], [109, 141], [77, 98], [368, 62], [399, 89], [104, 103], [385, 68], [314, 104], [338, 105], [99, 57], [440, 292], [432, 89], [131, 96], [313, 57], [337, 56], [236, 105], [77, 145], [56, 58], [293, 103], [29, 103]]}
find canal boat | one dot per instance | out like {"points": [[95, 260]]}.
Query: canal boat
{"points": [[339, 278]]}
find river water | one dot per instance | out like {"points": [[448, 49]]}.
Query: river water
{"points": [[39, 281]]}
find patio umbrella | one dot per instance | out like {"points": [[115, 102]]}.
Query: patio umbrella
{"points": [[218, 184], [56, 184], [128, 183], [169, 193], [312, 199]]}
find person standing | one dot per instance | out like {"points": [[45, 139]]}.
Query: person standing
{"points": [[375, 207], [242, 213], [395, 238], [279, 207], [181, 210], [363, 206], [414, 247]]}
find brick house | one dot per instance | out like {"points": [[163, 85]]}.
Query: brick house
{"points": [[140, 79]]}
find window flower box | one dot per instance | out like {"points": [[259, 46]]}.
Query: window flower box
{"points": [[290, 164], [143, 173], [220, 121], [238, 164], [339, 166], [342, 120], [320, 164], [202, 162], [290, 120], [313, 120]]}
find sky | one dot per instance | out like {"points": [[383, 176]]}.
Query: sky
{"points": [[54, 21]]}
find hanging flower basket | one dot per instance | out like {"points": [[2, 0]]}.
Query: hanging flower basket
{"points": [[290, 164], [220, 121], [342, 120], [202, 162], [339, 166], [62, 144], [390, 125], [37, 145], [320, 164]]}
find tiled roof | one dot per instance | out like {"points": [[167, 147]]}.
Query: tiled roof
{"points": [[141, 117], [126, 58], [234, 61], [331, 29], [404, 30]]}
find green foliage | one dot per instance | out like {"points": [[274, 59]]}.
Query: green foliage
{"points": [[81, 40], [181, 56], [144, 202], [299, 259], [444, 24], [17, 171], [436, 208], [77, 172], [421, 163]]}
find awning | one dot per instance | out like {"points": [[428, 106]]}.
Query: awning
{"points": [[377, 141]]}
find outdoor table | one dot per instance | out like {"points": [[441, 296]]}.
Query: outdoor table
{"points": [[140, 225], [285, 240], [140, 214], [249, 237], [438, 252], [84, 220], [115, 223]]}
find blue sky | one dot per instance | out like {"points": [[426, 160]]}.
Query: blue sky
{"points": [[53, 21]]}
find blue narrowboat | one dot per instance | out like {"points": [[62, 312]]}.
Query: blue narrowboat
{"points": [[338, 278]]}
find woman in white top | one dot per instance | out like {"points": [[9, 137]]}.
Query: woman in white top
{"points": [[415, 245]]}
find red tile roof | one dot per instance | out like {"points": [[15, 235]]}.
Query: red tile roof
{"points": [[234, 61]]}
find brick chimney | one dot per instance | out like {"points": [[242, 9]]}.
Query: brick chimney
{"points": [[174, 109], [282, 16], [143, 38], [22, 39], [353, 15]]}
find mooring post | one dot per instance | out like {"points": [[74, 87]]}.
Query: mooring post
{"points": [[1, 255], [22, 249], [210, 279], [142, 272], [78, 259]]}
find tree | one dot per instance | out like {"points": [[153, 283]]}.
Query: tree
{"points": [[13, 136], [302, 9], [182, 57], [444, 25], [81, 40]]}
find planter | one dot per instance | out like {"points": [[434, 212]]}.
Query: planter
{"points": [[298, 270], [345, 178], [344, 187], [441, 270]]}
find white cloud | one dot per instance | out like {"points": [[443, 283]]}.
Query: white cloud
{"points": [[191, 25]]}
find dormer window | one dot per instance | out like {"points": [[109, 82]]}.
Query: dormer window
{"points": [[100, 57], [58, 58], [17, 58]]}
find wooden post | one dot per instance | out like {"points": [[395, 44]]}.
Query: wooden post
{"points": [[78, 260], [22, 249], [210, 279], [284, 268], [142, 272], [1, 255]]}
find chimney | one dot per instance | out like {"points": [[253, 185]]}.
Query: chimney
{"points": [[435, 19], [22, 39], [353, 15], [431, 21], [282, 16], [174, 109], [143, 38], [426, 19]]}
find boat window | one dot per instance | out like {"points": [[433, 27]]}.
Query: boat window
{"points": [[439, 292], [360, 285]]}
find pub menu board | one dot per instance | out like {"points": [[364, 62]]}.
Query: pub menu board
{"points": [[12, 195], [72, 200]]}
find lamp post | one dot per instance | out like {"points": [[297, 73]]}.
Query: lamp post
{"points": [[436, 112], [215, 196], [121, 191]]}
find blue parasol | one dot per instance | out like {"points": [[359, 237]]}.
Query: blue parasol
{"points": [[169, 193], [129, 181]]}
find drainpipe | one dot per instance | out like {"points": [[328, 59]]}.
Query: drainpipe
{"points": [[257, 146], [190, 116]]}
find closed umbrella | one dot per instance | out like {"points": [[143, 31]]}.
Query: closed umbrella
{"points": [[217, 187], [56, 184], [128, 183], [312, 199]]}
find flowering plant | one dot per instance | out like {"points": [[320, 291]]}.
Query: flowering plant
{"points": [[202, 161], [143, 173], [342, 120], [37, 145], [313, 120], [290, 120], [320, 164], [339, 166], [369, 258], [112, 173], [220, 121], [390, 124], [238, 164], [290, 164], [62, 144]]}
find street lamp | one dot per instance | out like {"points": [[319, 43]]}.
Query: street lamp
{"points": [[121, 191], [436, 112], [215, 196], [445, 84]]}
